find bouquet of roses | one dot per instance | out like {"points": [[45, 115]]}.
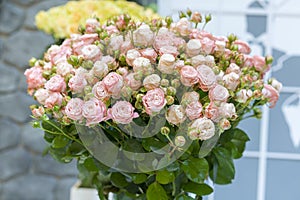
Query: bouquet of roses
{"points": [[149, 109]]}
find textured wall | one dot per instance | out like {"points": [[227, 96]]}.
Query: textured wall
{"points": [[24, 173]]}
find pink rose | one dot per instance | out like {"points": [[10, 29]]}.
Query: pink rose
{"points": [[100, 69], [188, 76], [166, 64], [198, 60], [115, 43], [150, 54], [64, 68], [73, 109], [94, 111], [143, 36], [111, 29], [175, 114], [233, 68], [56, 84], [231, 80], [218, 93], [131, 55], [271, 94], [224, 124], [243, 95], [113, 83], [183, 26], [99, 91], [207, 77], [227, 110], [190, 98], [202, 129], [122, 112], [194, 110], [125, 46], [80, 41], [57, 54], [132, 82], [54, 99], [34, 77], [165, 37], [77, 83], [41, 95], [248, 61], [151, 82], [169, 50], [91, 52], [243, 47], [154, 101], [207, 45], [260, 64], [91, 25], [193, 47], [38, 112], [212, 112]]}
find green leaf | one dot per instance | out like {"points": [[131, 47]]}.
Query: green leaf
{"points": [[118, 180], [223, 168], [183, 197], [164, 177], [154, 191], [199, 189], [60, 141], [90, 165], [138, 178], [196, 169], [133, 150]]}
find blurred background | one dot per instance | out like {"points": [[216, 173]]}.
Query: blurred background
{"points": [[268, 171]]}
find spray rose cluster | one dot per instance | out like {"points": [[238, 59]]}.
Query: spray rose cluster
{"points": [[123, 70]]}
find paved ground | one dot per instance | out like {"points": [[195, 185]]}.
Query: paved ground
{"points": [[24, 173]]}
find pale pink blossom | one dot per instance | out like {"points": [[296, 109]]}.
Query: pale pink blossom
{"points": [[80, 41], [220, 46], [260, 64], [210, 61], [77, 83], [178, 65], [188, 75], [91, 52], [193, 47], [218, 94], [115, 43], [125, 46], [131, 55], [207, 45], [276, 84], [56, 54], [198, 60], [111, 29], [166, 64], [243, 95], [175, 114], [122, 112], [99, 91], [154, 101], [227, 110], [41, 95], [56, 84], [132, 82], [113, 83], [143, 36], [169, 50], [142, 65], [100, 69], [207, 77], [54, 99], [224, 124], [271, 94], [202, 129], [190, 98], [194, 110], [123, 71], [243, 47], [150, 54], [64, 68], [94, 111], [212, 112], [34, 77], [38, 112], [233, 68], [231, 80], [151, 82], [248, 61], [91, 25], [165, 37], [73, 109], [183, 26]]}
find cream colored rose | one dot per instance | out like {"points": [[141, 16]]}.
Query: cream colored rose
{"points": [[166, 64], [193, 47], [202, 129], [151, 82], [175, 114], [100, 69], [143, 36]]}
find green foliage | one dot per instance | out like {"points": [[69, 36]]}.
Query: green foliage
{"points": [[156, 191]]}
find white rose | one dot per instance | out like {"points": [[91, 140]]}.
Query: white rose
{"points": [[166, 64], [143, 36], [202, 129], [193, 47]]}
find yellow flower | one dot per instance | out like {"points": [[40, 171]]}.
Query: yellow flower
{"points": [[64, 20]]}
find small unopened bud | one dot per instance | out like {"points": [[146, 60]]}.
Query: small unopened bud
{"points": [[170, 100], [189, 12], [73, 60], [196, 17], [232, 38], [87, 89], [171, 91], [32, 62], [225, 124], [180, 141], [139, 97], [138, 105], [208, 18], [164, 82], [257, 113], [182, 14], [269, 60], [165, 130], [88, 64], [81, 29], [36, 124], [175, 83]]}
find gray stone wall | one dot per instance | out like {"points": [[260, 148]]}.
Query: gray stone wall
{"points": [[24, 173]]}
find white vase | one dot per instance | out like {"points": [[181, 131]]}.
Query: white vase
{"points": [[79, 193]]}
